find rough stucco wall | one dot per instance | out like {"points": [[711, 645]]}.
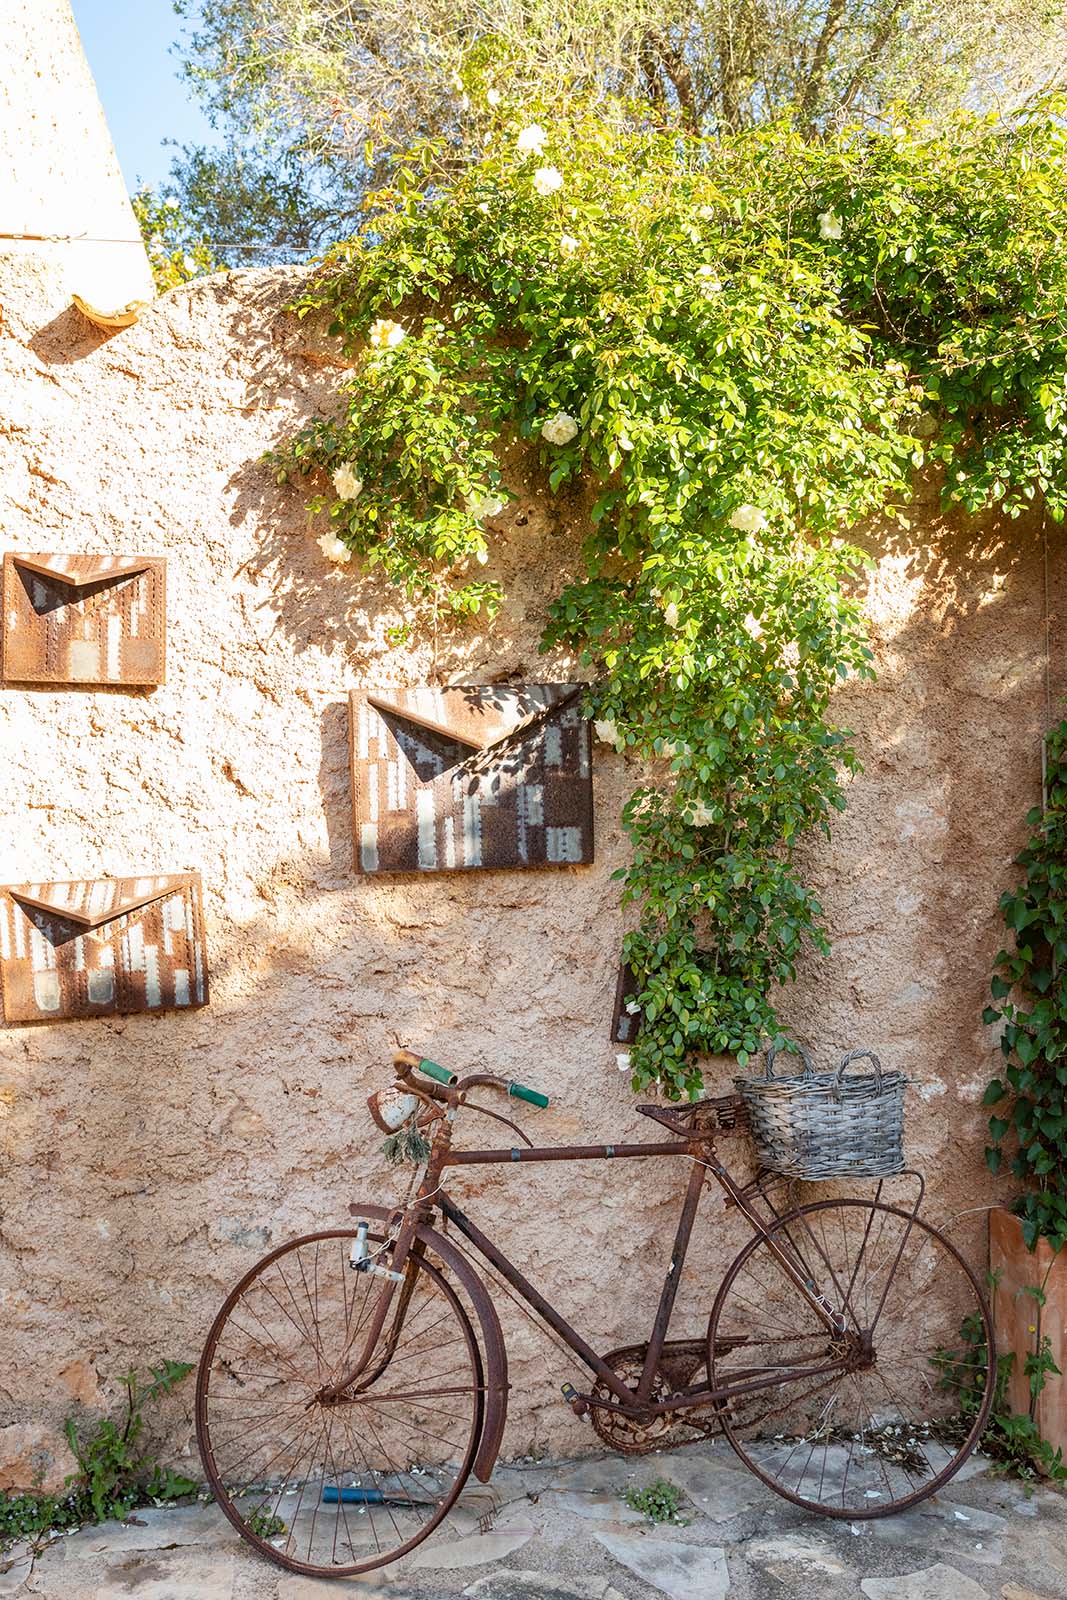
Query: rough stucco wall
{"points": [[147, 1161]]}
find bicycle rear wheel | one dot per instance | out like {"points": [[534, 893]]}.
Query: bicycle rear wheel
{"points": [[336, 1488], [914, 1369]]}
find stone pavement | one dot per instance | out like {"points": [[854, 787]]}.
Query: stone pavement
{"points": [[562, 1532]]}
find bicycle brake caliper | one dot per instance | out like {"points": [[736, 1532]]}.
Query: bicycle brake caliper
{"points": [[361, 1260]]}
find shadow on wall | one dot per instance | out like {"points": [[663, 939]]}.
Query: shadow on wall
{"points": [[67, 338], [346, 610]]}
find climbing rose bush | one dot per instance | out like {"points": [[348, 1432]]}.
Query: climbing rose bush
{"points": [[734, 351]]}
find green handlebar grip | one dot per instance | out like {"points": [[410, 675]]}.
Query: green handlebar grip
{"points": [[432, 1070], [534, 1096]]}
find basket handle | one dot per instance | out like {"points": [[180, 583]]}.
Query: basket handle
{"points": [[798, 1049], [859, 1055]]}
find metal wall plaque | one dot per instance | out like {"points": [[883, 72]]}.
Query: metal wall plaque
{"points": [[99, 948], [447, 780], [84, 619], [624, 1022]]}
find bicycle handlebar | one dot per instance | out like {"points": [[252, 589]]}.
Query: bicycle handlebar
{"points": [[407, 1061], [534, 1097]]}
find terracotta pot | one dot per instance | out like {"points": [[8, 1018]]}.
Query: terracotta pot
{"points": [[1015, 1313]]}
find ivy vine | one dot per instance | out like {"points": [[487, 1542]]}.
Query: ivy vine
{"points": [[736, 350], [1031, 1097]]}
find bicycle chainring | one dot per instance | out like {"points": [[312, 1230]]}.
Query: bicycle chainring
{"points": [[637, 1436]]}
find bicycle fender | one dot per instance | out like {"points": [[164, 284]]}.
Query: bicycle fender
{"points": [[496, 1359]]}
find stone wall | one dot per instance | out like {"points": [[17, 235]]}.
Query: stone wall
{"points": [[145, 1162]]}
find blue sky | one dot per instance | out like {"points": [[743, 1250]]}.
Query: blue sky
{"points": [[145, 102]]}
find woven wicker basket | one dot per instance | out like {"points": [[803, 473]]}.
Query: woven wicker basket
{"points": [[826, 1125]]}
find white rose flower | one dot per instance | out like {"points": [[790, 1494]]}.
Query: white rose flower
{"points": [[481, 556], [829, 225], [546, 180], [568, 244], [493, 97], [560, 429], [188, 263], [386, 335], [708, 280], [705, 211], [483, 207], [748, 519], [606, 729], [347, 484], [480, 506], [622, 1060], [531, 140], [670, 615], [752, 627], [333, 549]]}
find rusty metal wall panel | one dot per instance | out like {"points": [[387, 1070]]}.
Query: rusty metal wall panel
{"points": [[78, 619], [624, 1022], [469, 776], [102, 947]]}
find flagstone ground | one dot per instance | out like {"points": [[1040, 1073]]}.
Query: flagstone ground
{"points": [[561, 1531]]}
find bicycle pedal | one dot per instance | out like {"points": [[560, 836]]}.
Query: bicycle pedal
{"points": [[579, 1406]]}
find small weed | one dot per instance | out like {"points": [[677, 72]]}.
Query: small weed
{"points": [[114, 1469], [659, 1502], [265, 1525], [116, 1472], [1012, 1438], [33, 1515]]}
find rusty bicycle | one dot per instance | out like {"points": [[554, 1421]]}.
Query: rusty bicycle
{"points": [[355, 1378]]}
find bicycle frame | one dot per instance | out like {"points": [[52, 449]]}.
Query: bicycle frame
{"points": [[700, 1149]]}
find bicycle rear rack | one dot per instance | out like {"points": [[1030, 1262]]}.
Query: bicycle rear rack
{"points": [[726, 1113]]}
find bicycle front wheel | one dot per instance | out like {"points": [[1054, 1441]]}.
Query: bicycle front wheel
{"points": [[870, 1417], [336, 1486]]}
